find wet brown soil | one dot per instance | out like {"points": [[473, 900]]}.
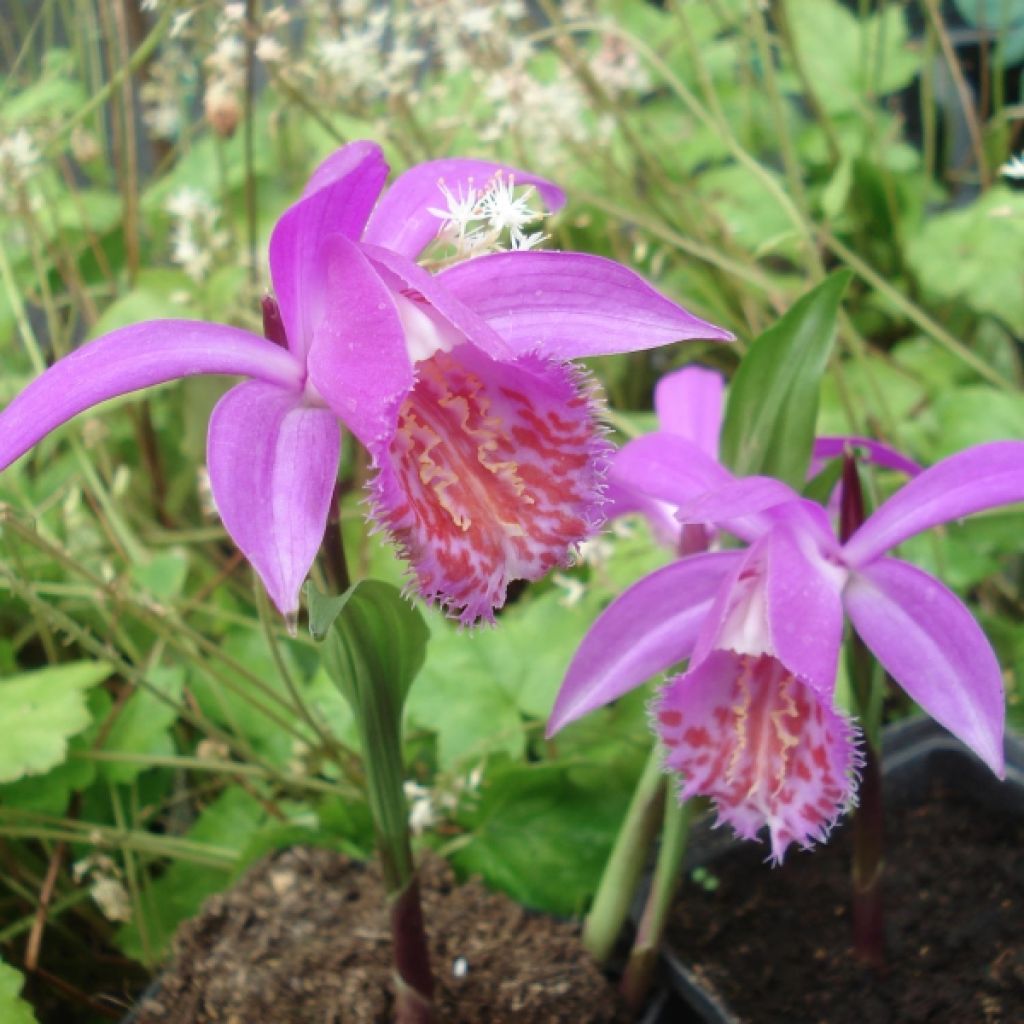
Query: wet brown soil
{"points": [[775, 943], [303, 938]]}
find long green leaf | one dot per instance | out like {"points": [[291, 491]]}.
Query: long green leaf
{"points": [[773, 399]]}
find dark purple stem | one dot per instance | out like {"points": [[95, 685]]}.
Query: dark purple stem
{"points": [[273, 322], [414, 983], [869, 817]]}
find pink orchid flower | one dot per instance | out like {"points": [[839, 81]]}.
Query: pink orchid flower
{"points": [[484, 435], [690, 405], [752, 723]]}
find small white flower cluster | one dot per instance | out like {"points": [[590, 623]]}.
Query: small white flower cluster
{"points": [[165, 93], [492, 219], [429, 806], [105, 885], [196, 237], [19, 161], [1013, 168]]}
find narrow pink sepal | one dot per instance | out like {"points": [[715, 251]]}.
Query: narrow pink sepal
{"points": [[273, 462], [972, 480], [805, 611], [358, 360], [132, 358], [689, 402], [338, 199], [569, 305], [928, 641], [650, 627], [667, 467], [403, 222]]}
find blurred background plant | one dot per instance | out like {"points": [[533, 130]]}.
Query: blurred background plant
{"points": [[161, 729]]}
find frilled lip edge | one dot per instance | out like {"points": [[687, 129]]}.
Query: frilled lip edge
{"points": [[915, 752], [599, 451], [850, 736]]}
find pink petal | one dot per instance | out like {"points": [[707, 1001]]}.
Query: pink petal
{"points": [[620, 501], [273, 463], [805, 611], [650, 627], [738, 504], [567, 304], [132, 358], [690, 402], [412, 281], [930, 644], [667, 467], [760, 742], [358, 360], [337, 200], [403, 222], [494, 474], [970, 481], [868, 450]]}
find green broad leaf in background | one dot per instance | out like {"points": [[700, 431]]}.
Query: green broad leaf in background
{"points": [[13, 1009], [849, 58], [143, 726], [41, 711], [773, 399], [542, 832], [376, 638], [1004, 19]]}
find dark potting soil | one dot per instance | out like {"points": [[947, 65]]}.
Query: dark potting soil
{"points": [[775, 942], [303, 937]]}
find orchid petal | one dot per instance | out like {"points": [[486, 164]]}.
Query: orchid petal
{"points": [[805, 610], [567, 305], [358, 360], [621, 501], [652, 625], [132, 358], [337, 200], [404, 221], [273, 463], [970, 481], [736, 501], [871, 451], [689, 402], [667, 467], [930, 644], [416, 284]]}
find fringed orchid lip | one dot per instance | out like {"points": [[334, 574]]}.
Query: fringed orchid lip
{"points": [[764, 745], [494, 474]]}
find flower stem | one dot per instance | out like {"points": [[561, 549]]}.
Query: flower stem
{"points": [[636, 980], [379, 723], [622, 871], [869, 817]]}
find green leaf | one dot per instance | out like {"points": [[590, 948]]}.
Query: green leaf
{"points": [[143, 726], [381, 638], [1003, 18], [40, 711], [229, 824], [13, 1009], [850, 59], [773, 399], [543, 832], [974, 255]]}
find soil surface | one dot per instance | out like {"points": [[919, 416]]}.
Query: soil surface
{"points": [[775, 942], [303, 937]]}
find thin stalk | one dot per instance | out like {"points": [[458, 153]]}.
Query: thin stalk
{"points": [[379, 724], [626, 862], [636, 980], [867, 897]]}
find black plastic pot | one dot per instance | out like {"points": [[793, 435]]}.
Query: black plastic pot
{"points": [[915, 754]]}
